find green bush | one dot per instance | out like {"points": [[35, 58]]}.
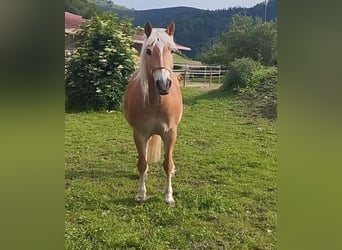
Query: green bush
{"points": [[259, 99], [247, 37], [242, 73], [265, 94], [98, 71]]}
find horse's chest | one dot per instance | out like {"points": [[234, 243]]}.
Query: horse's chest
{"points": [[157, 123]]}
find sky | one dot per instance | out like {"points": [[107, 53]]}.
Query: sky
{"points": [[200, 4]]}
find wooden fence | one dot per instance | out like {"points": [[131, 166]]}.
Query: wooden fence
{"points": [[199, 74]]}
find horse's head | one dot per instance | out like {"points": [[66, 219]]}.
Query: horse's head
{"points": [[157, 52]]}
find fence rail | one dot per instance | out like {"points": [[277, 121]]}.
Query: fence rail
{"points": [[200, 73]]}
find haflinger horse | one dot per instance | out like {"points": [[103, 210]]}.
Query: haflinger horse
{"points": [[153, 105]]}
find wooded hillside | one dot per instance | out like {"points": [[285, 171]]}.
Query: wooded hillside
{"points": [[196, 28]]}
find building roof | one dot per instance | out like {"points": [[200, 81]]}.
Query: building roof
{"points": [[139, 39], [72, 22]]}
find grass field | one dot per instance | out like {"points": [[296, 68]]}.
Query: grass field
{"points": [[182, 59], [224, 186]]}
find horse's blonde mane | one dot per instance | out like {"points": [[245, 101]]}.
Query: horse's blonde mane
{"points": [[157, 35]]}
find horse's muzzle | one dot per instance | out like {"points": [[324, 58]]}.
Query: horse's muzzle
{"points": [[163, 87]]}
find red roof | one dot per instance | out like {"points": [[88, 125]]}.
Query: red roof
{"points": [[72, 21]]}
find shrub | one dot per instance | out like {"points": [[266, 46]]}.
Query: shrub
{"points": [[260, 98], [247, 37], [242, 73], [264, 95], [99, 69]]}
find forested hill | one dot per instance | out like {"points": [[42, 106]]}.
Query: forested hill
{"points": [[195, 28]]}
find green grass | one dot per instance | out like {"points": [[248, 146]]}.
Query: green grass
{"points": [[224, 186], [183, 59]]}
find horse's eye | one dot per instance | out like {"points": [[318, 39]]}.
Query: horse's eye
{"points": [[173, 51], [148, 52]]}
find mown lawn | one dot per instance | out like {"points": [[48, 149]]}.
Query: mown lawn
{"points": [[224, 187]]}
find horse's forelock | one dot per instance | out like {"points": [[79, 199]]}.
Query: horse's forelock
{"points": [[158, 35]]}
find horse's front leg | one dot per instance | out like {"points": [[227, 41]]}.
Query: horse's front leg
{"points": [[169, 143], [140, 143]]}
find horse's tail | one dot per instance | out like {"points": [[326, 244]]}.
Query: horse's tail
{"points": [[154, 149]]}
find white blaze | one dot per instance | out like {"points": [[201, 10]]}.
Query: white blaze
{"points": [[161, 74]]}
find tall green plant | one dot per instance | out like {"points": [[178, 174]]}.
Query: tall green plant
{"points": [[242, 73], [247, 37], [80, 7], [99, 70]]}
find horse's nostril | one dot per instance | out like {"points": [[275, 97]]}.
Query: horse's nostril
{"points": [[168, 82]]}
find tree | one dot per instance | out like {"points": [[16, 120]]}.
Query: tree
{"points": [[247, 37], [80, 7], [99, 70]]}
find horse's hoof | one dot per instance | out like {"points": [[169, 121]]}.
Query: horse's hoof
{"points": [[140, 199], [140, 202], [171, 203]]}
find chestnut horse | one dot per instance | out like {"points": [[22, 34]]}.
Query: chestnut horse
{"points": [[153, 105]]}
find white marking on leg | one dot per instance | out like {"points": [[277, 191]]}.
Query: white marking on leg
{"points": [[173, 171], [141, 196], [169, 191]]}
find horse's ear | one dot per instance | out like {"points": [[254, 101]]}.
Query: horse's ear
{"points": [[148, 29], [171, 28]]}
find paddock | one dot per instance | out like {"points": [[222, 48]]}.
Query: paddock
{"points": [[226, 188]]}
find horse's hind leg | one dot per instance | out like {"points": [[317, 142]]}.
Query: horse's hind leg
{"points": [[140, 142], [169, 143]]}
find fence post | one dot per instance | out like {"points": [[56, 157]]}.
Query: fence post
{"points": [[211, 76], [185, 74], [219, 74], [205, 74], [184, 78]]}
